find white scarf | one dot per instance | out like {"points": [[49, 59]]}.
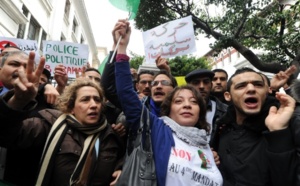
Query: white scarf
{"points": [[191, 135]]}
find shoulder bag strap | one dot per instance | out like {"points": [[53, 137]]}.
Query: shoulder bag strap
{"points": [[52, 139], [148, 143], [86, 146]]}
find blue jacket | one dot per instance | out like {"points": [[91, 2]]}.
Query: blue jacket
{"points": [[161, 134]]}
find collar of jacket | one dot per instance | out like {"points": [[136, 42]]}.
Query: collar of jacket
{"points": [[255, 122], [219, 104]]}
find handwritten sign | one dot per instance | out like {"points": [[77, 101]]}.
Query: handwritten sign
{"points": [[171, 39], [25, 45], [72, 55]]}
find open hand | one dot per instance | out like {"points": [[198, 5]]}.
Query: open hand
{"points": [[278, 118]]}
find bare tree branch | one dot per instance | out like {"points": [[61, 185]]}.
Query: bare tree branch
{"points": [[243, 21], [273, 67]]}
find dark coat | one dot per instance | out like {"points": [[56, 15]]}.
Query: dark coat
{"points": [[16, 166], [251, 155], [17, 133], [221, 109]]}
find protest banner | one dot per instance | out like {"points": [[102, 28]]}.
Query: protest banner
{"points": [[171, 39], [24, 45], [72, 55]]}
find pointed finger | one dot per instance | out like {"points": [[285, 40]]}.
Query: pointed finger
{"points": [[30, 64], [40, 67]]}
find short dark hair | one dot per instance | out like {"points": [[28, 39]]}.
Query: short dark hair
{"points": [[92, 69], [164, 72], [143, 72], [241, 71], [221, 70], [266, 77], [166, 105], [47, 73], [6, 55]]}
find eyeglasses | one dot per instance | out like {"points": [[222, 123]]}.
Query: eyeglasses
{"points": [[162, 82], [144, 82]]}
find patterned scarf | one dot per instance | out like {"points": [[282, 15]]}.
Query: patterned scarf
{"points": [[55, 137], [191, 135]]}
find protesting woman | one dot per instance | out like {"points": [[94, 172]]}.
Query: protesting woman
{"points": [[80, 148], [180, 148]]}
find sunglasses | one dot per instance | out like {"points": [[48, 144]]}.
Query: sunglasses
{"points": [[162, 82]]}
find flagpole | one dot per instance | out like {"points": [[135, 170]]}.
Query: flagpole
{"points": [[116, 48]]}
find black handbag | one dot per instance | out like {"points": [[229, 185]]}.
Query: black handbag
{"points": [[139, 166]]}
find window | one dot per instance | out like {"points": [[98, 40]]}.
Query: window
{"points": [[44, 37], [21, 30], [222, 58], [82, 39], [229, 54], [74, 26], [67, 8], [62, 37], [25, 10], [34, 29]]}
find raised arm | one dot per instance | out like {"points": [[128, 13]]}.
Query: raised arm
{"points": [[163, 64], [61, 78], [108, 81], [15, 131], [128, 98], [280, 79]]}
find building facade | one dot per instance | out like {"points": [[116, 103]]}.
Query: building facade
{"points": [[55, 20]]}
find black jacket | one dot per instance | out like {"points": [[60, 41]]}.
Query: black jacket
{"points": [[221, 109], [251, 155], [108, 82], [31, 133], [19, 160]]}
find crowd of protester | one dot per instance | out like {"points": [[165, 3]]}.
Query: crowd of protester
{"points": [[215, 130]]}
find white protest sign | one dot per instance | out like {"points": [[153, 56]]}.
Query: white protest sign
{"points": [[171, 39], [72, 55], [24, 45]]}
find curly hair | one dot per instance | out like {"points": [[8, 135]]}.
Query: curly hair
{"points": [[166, 105], [66, 101]]}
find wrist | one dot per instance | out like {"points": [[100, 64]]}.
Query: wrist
{"points": [[17, 103], [60, 86], [122, 58], [272, 129], [122, 50]]}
